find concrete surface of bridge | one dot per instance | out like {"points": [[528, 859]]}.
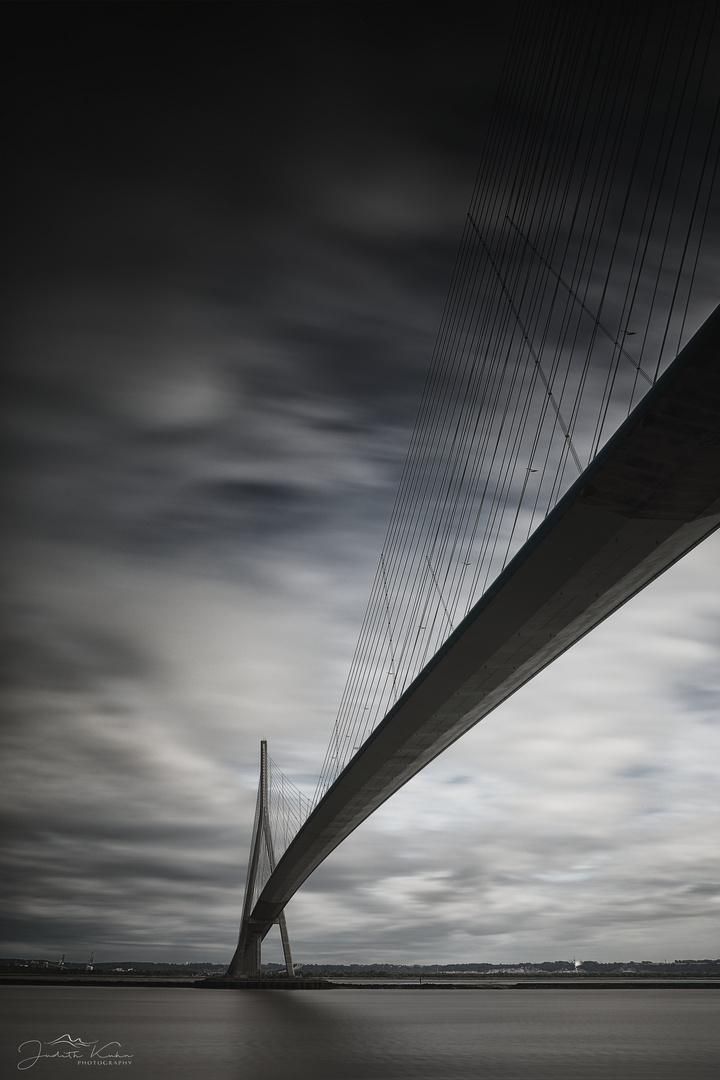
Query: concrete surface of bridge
{"points": [[650, 496]]}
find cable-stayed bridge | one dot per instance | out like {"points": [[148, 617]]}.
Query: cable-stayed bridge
{"points": [[567, 446]]}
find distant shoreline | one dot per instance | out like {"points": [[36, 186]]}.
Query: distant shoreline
{"points": [[269, 983]]}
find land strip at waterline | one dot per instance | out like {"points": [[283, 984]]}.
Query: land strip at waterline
{"points": [[189, 983], [683, 974]]}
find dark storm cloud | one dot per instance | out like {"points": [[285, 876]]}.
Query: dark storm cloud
{"points": [[231, 235], [57, 654], [136, 388]]}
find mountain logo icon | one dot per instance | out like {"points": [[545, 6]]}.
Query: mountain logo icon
{"points": [[66, 1040]]}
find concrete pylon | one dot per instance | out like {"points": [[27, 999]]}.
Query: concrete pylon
{"points": [[247, 959]]}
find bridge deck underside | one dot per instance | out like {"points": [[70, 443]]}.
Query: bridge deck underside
{"points": [[650, 496]]}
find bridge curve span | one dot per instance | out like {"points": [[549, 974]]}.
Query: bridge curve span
{"points": [[649, 497]]}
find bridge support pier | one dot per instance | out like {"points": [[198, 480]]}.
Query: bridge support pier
{"points": [[247, 959]]}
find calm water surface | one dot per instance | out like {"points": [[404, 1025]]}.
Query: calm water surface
{"points": [[364, 1034]]}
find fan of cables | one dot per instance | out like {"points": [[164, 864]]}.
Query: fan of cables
{"points": [[581, 273]]}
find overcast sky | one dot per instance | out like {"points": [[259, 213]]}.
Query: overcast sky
{"points": [[232, 232]]}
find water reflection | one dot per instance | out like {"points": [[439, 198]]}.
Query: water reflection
{"points": [[665, 1034]]}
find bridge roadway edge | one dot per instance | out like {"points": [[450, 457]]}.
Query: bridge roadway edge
{"points": [[649, 497]]}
